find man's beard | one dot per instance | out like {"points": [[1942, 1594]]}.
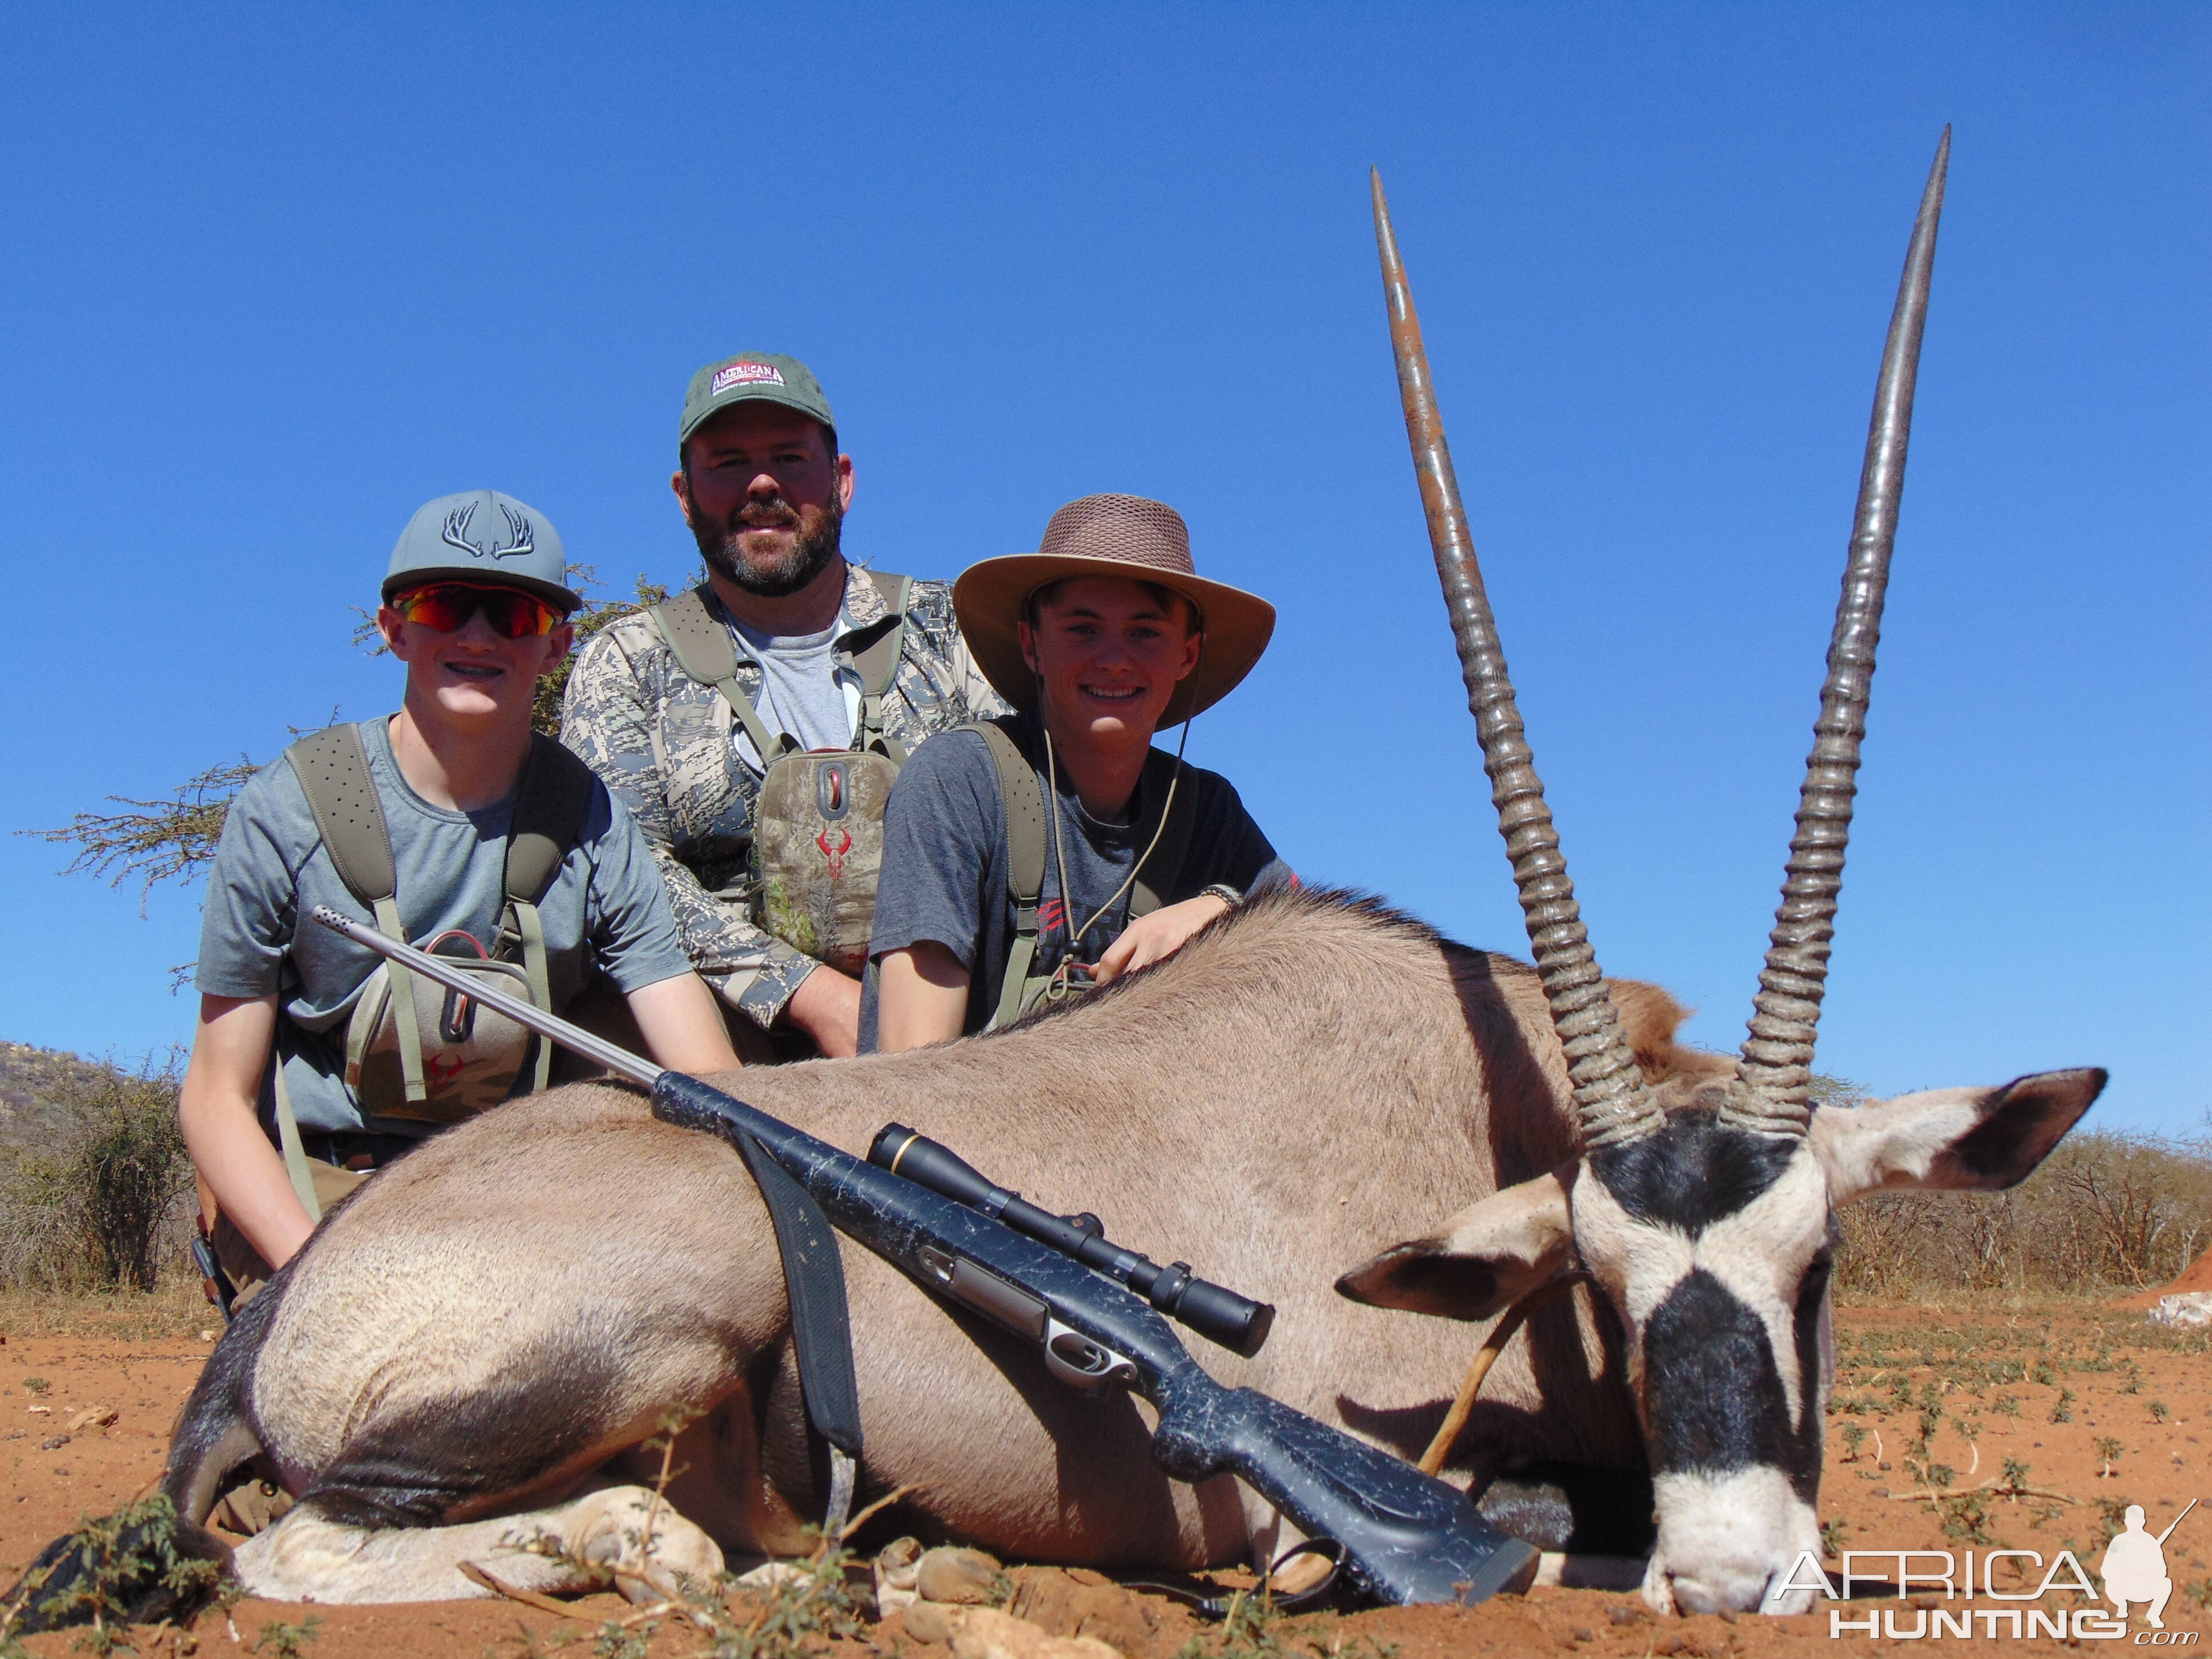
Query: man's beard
{"points": [[819, 530]]}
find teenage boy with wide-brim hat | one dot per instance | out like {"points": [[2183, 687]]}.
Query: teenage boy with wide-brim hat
{"points": [[475, 605], [1099, 638]]}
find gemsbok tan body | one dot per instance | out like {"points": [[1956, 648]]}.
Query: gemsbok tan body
{"points": [[469, 1356]]}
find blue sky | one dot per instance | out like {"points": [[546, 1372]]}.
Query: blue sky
{"points": [[279, 274]]}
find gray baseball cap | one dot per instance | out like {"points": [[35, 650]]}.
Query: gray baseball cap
{"points": [[763, 376], [482, 536]]}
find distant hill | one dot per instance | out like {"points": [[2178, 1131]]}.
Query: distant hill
{"points": [[32, 1080]]}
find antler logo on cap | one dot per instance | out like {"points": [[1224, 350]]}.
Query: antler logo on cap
{"points": [[518, 527]]}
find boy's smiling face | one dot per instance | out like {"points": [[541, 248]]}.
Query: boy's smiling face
{"points": [[1109, 653], [471, 675]]}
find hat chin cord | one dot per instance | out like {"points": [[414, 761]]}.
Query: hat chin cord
{"points": [[1059, 988]]}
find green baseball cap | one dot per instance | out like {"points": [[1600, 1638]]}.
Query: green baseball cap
{"points": [[766, 376], [482, 536]]}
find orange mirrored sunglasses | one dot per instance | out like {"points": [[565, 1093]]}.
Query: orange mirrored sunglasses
{"points": [[447, 606]]}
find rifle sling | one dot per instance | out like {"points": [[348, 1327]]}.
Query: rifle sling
{"points": [[1210, 1602], [821, 1321]]}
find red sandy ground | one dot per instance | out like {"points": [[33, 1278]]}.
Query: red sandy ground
{"points": [[2126, 1380]]}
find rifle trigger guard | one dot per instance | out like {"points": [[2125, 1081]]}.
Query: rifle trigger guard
{"points": [[1078, 1361]]}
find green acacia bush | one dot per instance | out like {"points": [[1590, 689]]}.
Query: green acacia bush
{"points": [[100, 1200]]}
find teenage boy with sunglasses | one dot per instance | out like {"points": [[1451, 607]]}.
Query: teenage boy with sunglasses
{"points": [[475, 605]]}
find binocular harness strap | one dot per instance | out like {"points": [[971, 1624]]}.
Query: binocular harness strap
{"points": [[701, 642], [556, 792], [295, 1154], [877, 664], [1024, 803]]}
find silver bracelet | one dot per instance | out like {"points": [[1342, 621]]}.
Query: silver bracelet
{"points": [[1222, 890]]}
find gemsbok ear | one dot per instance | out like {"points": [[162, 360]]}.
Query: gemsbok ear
{"points": [[1959, 1140], [1482, 1261]]}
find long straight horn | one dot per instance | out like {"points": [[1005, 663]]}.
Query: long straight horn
{"points": [[1776, 1073], [1610, 1100]]}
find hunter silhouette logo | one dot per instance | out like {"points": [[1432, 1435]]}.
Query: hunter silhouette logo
{"points": [[517, 529], [2017, 1581], [2133, 1567]]}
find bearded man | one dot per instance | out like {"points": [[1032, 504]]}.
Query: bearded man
{"points": [[785, 648]]}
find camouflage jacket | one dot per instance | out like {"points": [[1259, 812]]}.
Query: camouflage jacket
{"points": [[666, 745]]}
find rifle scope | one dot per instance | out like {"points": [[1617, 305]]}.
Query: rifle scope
{"points": [[1214, 1311]]}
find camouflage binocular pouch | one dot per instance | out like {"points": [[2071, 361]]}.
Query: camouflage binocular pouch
{"points": [[817, 840], [818, 851], [415, 1049]]}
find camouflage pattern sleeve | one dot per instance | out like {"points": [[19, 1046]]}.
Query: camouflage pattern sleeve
{"points": [[981, 702], [615, 715], [938, 685]]}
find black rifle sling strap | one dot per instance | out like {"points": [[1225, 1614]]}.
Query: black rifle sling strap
{"points": [[700, 642], [821, 1321]]}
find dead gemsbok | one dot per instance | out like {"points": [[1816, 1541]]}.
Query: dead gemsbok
{"points": [[469, 1355]]}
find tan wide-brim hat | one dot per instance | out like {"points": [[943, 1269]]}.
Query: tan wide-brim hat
{"points": [[1123, 535]]}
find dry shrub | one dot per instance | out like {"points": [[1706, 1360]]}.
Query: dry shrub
{"points": [[100, 1202], [2108, 1210]]}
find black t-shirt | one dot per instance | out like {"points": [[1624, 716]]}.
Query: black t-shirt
{"points": [[945, 864]]}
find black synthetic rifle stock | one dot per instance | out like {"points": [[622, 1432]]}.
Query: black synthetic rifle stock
{"points": [[1406, 1537]]}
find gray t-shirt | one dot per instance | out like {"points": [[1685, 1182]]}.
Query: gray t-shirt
{"points": [[800, 692], [605, 913], [945, 864]]}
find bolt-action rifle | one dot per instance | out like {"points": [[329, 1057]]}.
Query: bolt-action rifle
{"points": [[1405, 1537]]}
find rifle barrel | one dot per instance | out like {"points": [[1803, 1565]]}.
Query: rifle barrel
{"points": [[2177, 1520], [619, 1060]]}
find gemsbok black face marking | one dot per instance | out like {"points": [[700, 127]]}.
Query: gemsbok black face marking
{"points": [[1705, 1217], [1690, 1173]]}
